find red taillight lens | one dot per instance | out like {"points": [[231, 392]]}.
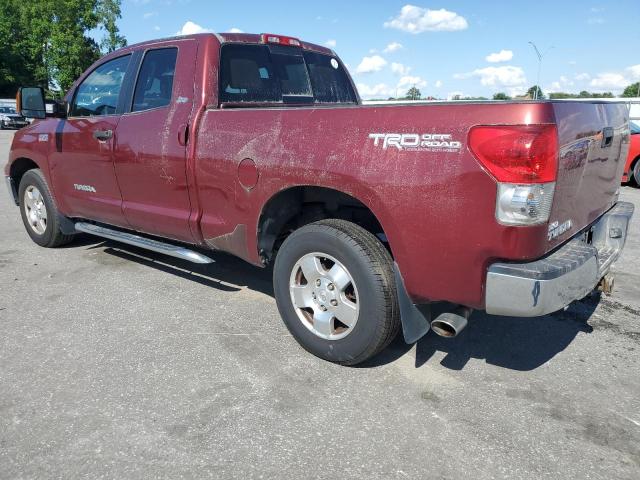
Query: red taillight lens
{"points": [[280, 40], [517, 153]]}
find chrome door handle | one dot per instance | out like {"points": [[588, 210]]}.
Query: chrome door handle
{"points": [[102, 135]]}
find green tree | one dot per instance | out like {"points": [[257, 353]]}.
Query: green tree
{"points": [[413, 94], [108, 14], [532, 92], [632, 90], [49, 43], [501, 96]]}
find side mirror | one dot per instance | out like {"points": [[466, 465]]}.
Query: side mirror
{"points": [[30, 102], [56, 108]]}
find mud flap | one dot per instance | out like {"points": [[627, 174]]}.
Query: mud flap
{"points": [[414, 322]]}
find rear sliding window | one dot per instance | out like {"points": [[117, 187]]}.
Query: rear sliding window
{"points": [[277, 74]]}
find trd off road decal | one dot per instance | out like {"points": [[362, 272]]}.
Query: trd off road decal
{"points": [[415, 142]]}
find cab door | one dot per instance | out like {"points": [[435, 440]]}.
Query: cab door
{"points": [[81, 163], [150, 157]]}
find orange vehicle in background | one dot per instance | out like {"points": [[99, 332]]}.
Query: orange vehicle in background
{"points": [[632, 168]]}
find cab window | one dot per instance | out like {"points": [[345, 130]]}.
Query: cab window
{"points": [[98, 93], [279, 74], [155, 80]]}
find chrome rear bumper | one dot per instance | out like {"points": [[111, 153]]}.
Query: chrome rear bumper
{"points": [[547, 285]]}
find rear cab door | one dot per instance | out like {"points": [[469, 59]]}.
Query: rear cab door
{"points": [[150, 156]]}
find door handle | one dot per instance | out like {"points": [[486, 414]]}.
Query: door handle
{"points": [[102, 135], [607, 137]]}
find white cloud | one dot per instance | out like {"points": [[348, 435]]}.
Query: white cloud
{"points": [[374, 63], [595, 21], [392, 47], [400, 69], [582, 77], [506, 75], [501, 56], [235, 30], [189, 28], [409, 81], [156, 28], [414, 19], [610, 80], [634, 70], [149, 15], [381, 90], [438, 83], [331, 43]]}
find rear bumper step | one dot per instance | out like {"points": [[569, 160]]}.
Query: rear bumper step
{"points": [[143, 242], [568, 274]]}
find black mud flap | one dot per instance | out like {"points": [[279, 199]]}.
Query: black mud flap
{"points": [[414, 322], [67, 226]]}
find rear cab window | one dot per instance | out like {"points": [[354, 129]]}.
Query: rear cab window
{"points": [[154, 86], [275, 74]]}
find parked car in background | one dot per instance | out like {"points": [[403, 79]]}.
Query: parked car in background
{"points": [[632, 167], [9, 118]]}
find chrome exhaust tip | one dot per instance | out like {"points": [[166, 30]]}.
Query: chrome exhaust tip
{"points": [[450, 324]]}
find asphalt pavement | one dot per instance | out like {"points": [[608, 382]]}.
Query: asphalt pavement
{"points": [[119, 363]]}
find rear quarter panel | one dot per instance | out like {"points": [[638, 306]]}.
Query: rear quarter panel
{"points": [[436, 208]]}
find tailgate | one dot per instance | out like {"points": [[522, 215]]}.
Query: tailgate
{"points": [[594, 139]]}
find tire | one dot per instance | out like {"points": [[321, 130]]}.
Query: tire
{"points": [[327, 249], [37, 201], [636, 172]]}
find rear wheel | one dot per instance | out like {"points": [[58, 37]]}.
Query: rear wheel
{"points": [[335, 290], [39, 211]]}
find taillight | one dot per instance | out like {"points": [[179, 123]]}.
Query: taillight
{"points": [[280, 40], [524, 161], [517, 153]]}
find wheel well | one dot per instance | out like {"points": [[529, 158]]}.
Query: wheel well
{"points": [[298, 206], [19, 167]]}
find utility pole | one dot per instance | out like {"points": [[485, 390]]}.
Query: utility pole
{"points": [[540, 57]]}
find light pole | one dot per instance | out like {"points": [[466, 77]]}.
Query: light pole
{"points": [[540, 57]]}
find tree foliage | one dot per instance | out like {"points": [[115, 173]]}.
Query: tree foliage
{"points": [[582, 94], [48, 43], [532, 92], [501, 96], [413, 94], [632, 90]]}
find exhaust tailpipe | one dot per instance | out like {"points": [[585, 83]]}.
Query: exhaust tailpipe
{"points": [[450, 324]]}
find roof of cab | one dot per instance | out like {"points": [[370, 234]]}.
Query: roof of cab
{"points": [[229, 38]]}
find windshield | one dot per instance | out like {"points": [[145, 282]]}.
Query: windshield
{"points": [[277, 74], [7, 110], [635, 128]]}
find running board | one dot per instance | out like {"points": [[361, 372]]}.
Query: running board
{"points": [[143, 242]]}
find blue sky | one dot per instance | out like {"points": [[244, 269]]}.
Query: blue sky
{"points": [[444, 48]]}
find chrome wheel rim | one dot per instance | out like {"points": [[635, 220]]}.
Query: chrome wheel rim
{"points": [[324, 296], [35, 210]]}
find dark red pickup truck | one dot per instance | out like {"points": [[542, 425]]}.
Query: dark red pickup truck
{"points": [[375, 218]]}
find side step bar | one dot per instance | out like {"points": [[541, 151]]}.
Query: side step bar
{"points": [[143, 242]]}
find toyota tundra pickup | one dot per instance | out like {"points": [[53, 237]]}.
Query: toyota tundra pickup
{"points": [[375, 218]]}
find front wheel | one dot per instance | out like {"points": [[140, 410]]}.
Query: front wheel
{"points": [[335, 290], [39, 211]]}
